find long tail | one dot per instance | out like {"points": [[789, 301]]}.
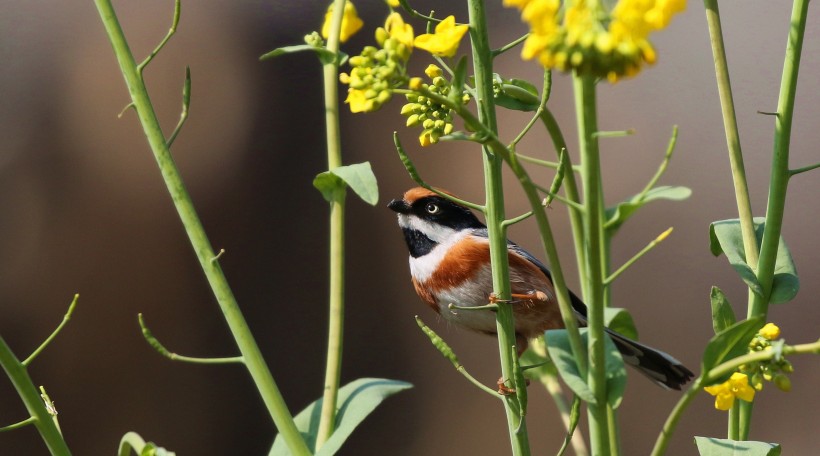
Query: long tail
{"points": [[660, 367]]}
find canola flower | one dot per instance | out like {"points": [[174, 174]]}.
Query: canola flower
{"points": [[377, 71], [582, 36], [736, 387], [444, 42], [435, 119], [351, 23]]}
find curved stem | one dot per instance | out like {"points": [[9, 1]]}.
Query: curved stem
{"points": [[54, 333], [255, 363]]}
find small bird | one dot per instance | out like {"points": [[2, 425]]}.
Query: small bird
{"points": [[450, 264]]}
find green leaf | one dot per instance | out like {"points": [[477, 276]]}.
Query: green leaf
{"points": [[356, 400], [729, 344], [725, 237], [459, 78], [561, 354], [620, 321], [723, 315], [358, 177], [325, 55], [709, 446], [616, 216]]}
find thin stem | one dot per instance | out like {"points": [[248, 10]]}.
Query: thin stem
{"points": [[333, 368], [674, 417], [20, 379], [54, 333], [483, 66], [508, 46], [670, 148], [186, 104], [585, 108], [255, 363], [797, 171], [744, 205], [611, 278], [156, 345], [19, 424]]}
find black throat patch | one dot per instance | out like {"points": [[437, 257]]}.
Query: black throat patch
{"points": [[418, 244]]}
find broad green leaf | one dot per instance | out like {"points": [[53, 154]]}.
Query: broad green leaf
{"points": [[723, 315], [561, 354], [616, 216], [356, 401], [619, 320], [325, 55], [725, 237], [709, 446], [729, 344], [358, 177]]}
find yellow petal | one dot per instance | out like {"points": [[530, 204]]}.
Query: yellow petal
{"points": [[350, 22], [444, 42], [770, 331]]}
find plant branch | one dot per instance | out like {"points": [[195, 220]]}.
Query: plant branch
{"points": [[156, 345], [611, 278], [255, 363], [508, 46], [54, 333]]}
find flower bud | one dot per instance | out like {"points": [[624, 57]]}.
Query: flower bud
{"points": [[782, 382]]}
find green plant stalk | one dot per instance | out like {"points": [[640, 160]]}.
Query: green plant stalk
{"points": [[46, 426], [335, 334], [718, 371], [553, 387], [586, 116], [483, 67], [779, 180], [255, 363], [744, 205]]}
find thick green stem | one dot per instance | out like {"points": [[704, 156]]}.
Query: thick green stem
{"points": [[335, 334], [586, 116], [780, 160], [18, 374], [483, 67], [255, 363], [744, 205]]}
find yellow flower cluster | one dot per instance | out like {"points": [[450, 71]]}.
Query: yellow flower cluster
{"points": [[584, 37], [435, 119], [375, 72]]}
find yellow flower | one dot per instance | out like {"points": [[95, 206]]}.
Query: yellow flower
{"points": [[350, 22], [433, 71], [400, 31], [443, 43], [358, 101], [736, 387], [393, 3], [770, 331]]}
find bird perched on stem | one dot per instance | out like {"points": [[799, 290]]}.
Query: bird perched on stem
{"points": [[450, 264]]}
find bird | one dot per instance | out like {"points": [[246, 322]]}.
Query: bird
{"points": [[450, 264]]}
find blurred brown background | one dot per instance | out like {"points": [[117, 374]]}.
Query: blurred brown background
{"points": [[84, 210]]}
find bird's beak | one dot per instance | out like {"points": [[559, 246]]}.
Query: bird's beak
{"points": [[399, 205]]}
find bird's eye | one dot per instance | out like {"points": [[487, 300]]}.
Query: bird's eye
{"points": [[432, 208]]}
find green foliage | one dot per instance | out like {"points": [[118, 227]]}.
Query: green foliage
{"points": [[709, 446], [561, 354], [620, 320], [729, 344], [722, 314], [617, 215], [132, 441], [356, 401], [358, 177], [725, 237], [574, 417], [516, 94]]}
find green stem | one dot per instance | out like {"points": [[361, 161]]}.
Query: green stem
{"points": [[744, 205], [483, 66], [586, 116], [330, 76], [780, 159], [54, 333], [674, 417], [18, 374], [255, 363]]}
